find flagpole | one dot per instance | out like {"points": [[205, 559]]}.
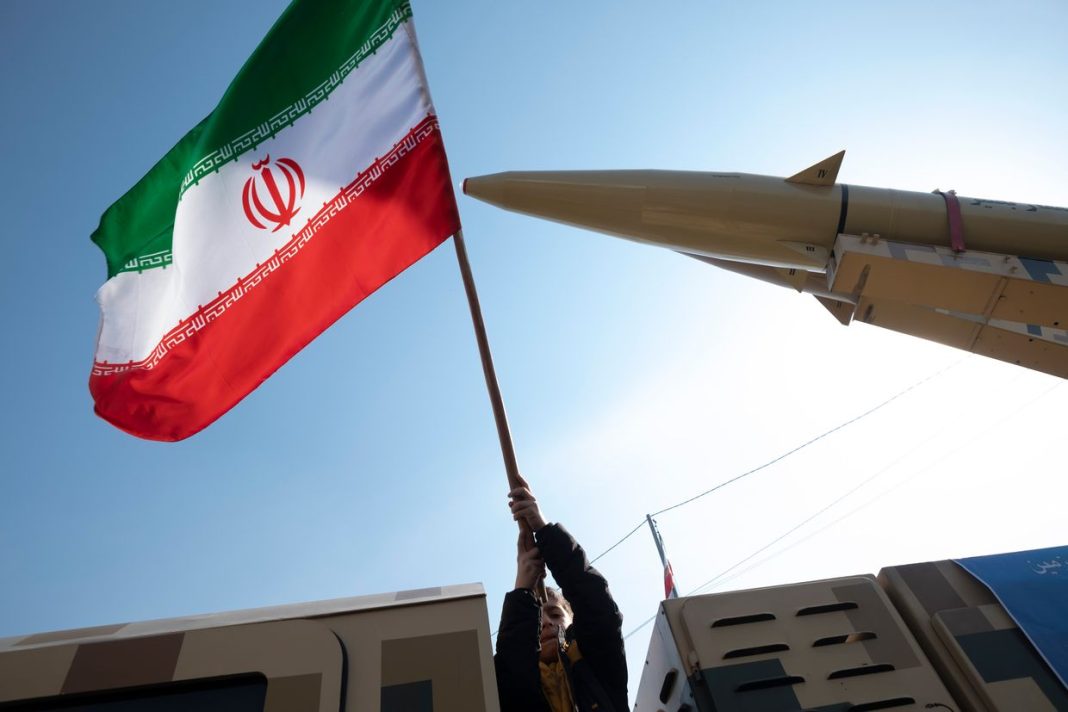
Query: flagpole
{"points": [[496, 401], [504, 434], [673, 592]]}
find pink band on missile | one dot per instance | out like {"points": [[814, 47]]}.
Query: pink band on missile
{"points": [[956, 223]]}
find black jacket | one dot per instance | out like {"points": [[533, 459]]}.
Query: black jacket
{"points": [[597, 626]]}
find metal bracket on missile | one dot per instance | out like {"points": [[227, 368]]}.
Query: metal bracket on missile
{"points": [[992, 263], [907, 287], [956, 222]]}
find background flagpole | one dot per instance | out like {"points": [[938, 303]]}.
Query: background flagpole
{"points": [[670, 589], [504, 434]]}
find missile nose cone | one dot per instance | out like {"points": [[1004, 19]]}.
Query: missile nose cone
{"points": [[489, 189], [599, 200]]}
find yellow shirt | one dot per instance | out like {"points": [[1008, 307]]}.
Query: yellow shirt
{"points": [[555, 686]]}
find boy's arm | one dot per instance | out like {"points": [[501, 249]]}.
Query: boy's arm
{"points": [[516, 661], [519, 636], [598, 624]]}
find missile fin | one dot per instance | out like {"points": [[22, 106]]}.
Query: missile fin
{"points": [[823, 173], [841, 310]]}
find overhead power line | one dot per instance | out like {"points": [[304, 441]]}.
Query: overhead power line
{"points": [[626, 536], [719, 577], [819, 437], [785, 455]]}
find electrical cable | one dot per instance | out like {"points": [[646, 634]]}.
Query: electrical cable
{"points": [[863, 415], [628, 535], [868, 503], [871, 501], [736, 478], [900, 484]]}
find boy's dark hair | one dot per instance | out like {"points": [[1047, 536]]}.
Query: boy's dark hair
{"points": [[553, 595]]}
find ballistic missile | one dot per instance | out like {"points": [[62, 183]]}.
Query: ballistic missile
{"points": [[986, 276]]}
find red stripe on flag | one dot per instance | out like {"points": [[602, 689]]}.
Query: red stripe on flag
{"points": [[402, 216]]}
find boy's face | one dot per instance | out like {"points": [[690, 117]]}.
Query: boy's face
{"points": [[553, 618]]}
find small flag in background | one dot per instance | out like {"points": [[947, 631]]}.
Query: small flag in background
{"points": [[670, 591], [319, 177]]}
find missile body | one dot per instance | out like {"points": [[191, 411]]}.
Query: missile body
{"points": [[988, 276], [762, 219]]}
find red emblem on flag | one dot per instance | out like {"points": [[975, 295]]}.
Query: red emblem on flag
{"points": [[285, 207]]}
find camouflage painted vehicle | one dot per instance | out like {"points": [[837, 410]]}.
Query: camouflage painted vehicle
{"points": [[917, 637], [412, 651]]}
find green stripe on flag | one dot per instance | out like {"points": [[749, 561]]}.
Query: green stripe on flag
{"points": [[141, 222], [312, 47], [241, 126]]}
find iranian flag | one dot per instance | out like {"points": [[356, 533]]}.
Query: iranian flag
{"points": [[319, 177]]}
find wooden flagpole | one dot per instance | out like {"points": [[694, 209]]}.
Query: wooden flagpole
{"points": [[504, 434], [499, 415]]}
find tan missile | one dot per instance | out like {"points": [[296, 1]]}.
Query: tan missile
{"points": [[988, 276]]}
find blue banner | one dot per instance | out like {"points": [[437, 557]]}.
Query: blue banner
{"points": [[1033, 587]]}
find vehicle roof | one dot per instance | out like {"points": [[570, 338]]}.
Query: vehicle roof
{"points": [[312, 609]]}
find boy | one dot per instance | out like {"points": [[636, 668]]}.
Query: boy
{"points": [[565, 653]]}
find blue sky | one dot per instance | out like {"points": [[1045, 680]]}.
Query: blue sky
{"points": [[634, 377]]}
